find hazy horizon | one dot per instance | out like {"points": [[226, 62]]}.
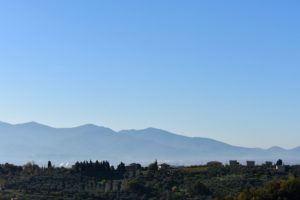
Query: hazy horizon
{"points": [[145, 128], [222, 70]]}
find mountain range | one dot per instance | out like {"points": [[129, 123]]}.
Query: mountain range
{"points": [[36, 142]]}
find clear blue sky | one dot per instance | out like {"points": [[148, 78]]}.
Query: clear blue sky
{"points": [[228, 70]]}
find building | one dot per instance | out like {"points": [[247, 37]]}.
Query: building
{"points": [[133, 170], [250, 163], [280, 168], [164, 166], [116, 185], [269, 163], [233, 163], [108, 186]]}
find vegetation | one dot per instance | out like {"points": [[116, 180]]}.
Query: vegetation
{"points": [[100, 180]]}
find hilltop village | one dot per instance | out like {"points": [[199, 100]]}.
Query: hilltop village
{"points": [[100, 180]]}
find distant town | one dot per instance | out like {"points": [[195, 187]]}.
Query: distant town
{"points": [[100, 180]]}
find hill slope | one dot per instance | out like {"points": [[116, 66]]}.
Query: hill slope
{"points": [[36, 142]]}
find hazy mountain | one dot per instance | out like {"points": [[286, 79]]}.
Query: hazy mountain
{"points": [[36, 142]]}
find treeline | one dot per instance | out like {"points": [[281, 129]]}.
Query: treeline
{"points": [[102, 169], [101, 180]]}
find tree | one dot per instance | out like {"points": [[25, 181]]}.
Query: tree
{"points": [[198, 188], [279, 162], [30, 168], [135, 186], [153, 166], [121, 167], [49, 164]]}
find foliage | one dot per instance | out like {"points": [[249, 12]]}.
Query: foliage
{"points": [[277, 189], [100, 180]]}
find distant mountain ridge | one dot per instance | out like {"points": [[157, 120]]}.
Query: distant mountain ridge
{"points": [[32, 141]]}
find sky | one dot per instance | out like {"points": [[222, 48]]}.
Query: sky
{"points": [[227, 70]]}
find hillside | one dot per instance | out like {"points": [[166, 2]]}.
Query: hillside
{"points": [[37, 142]]}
